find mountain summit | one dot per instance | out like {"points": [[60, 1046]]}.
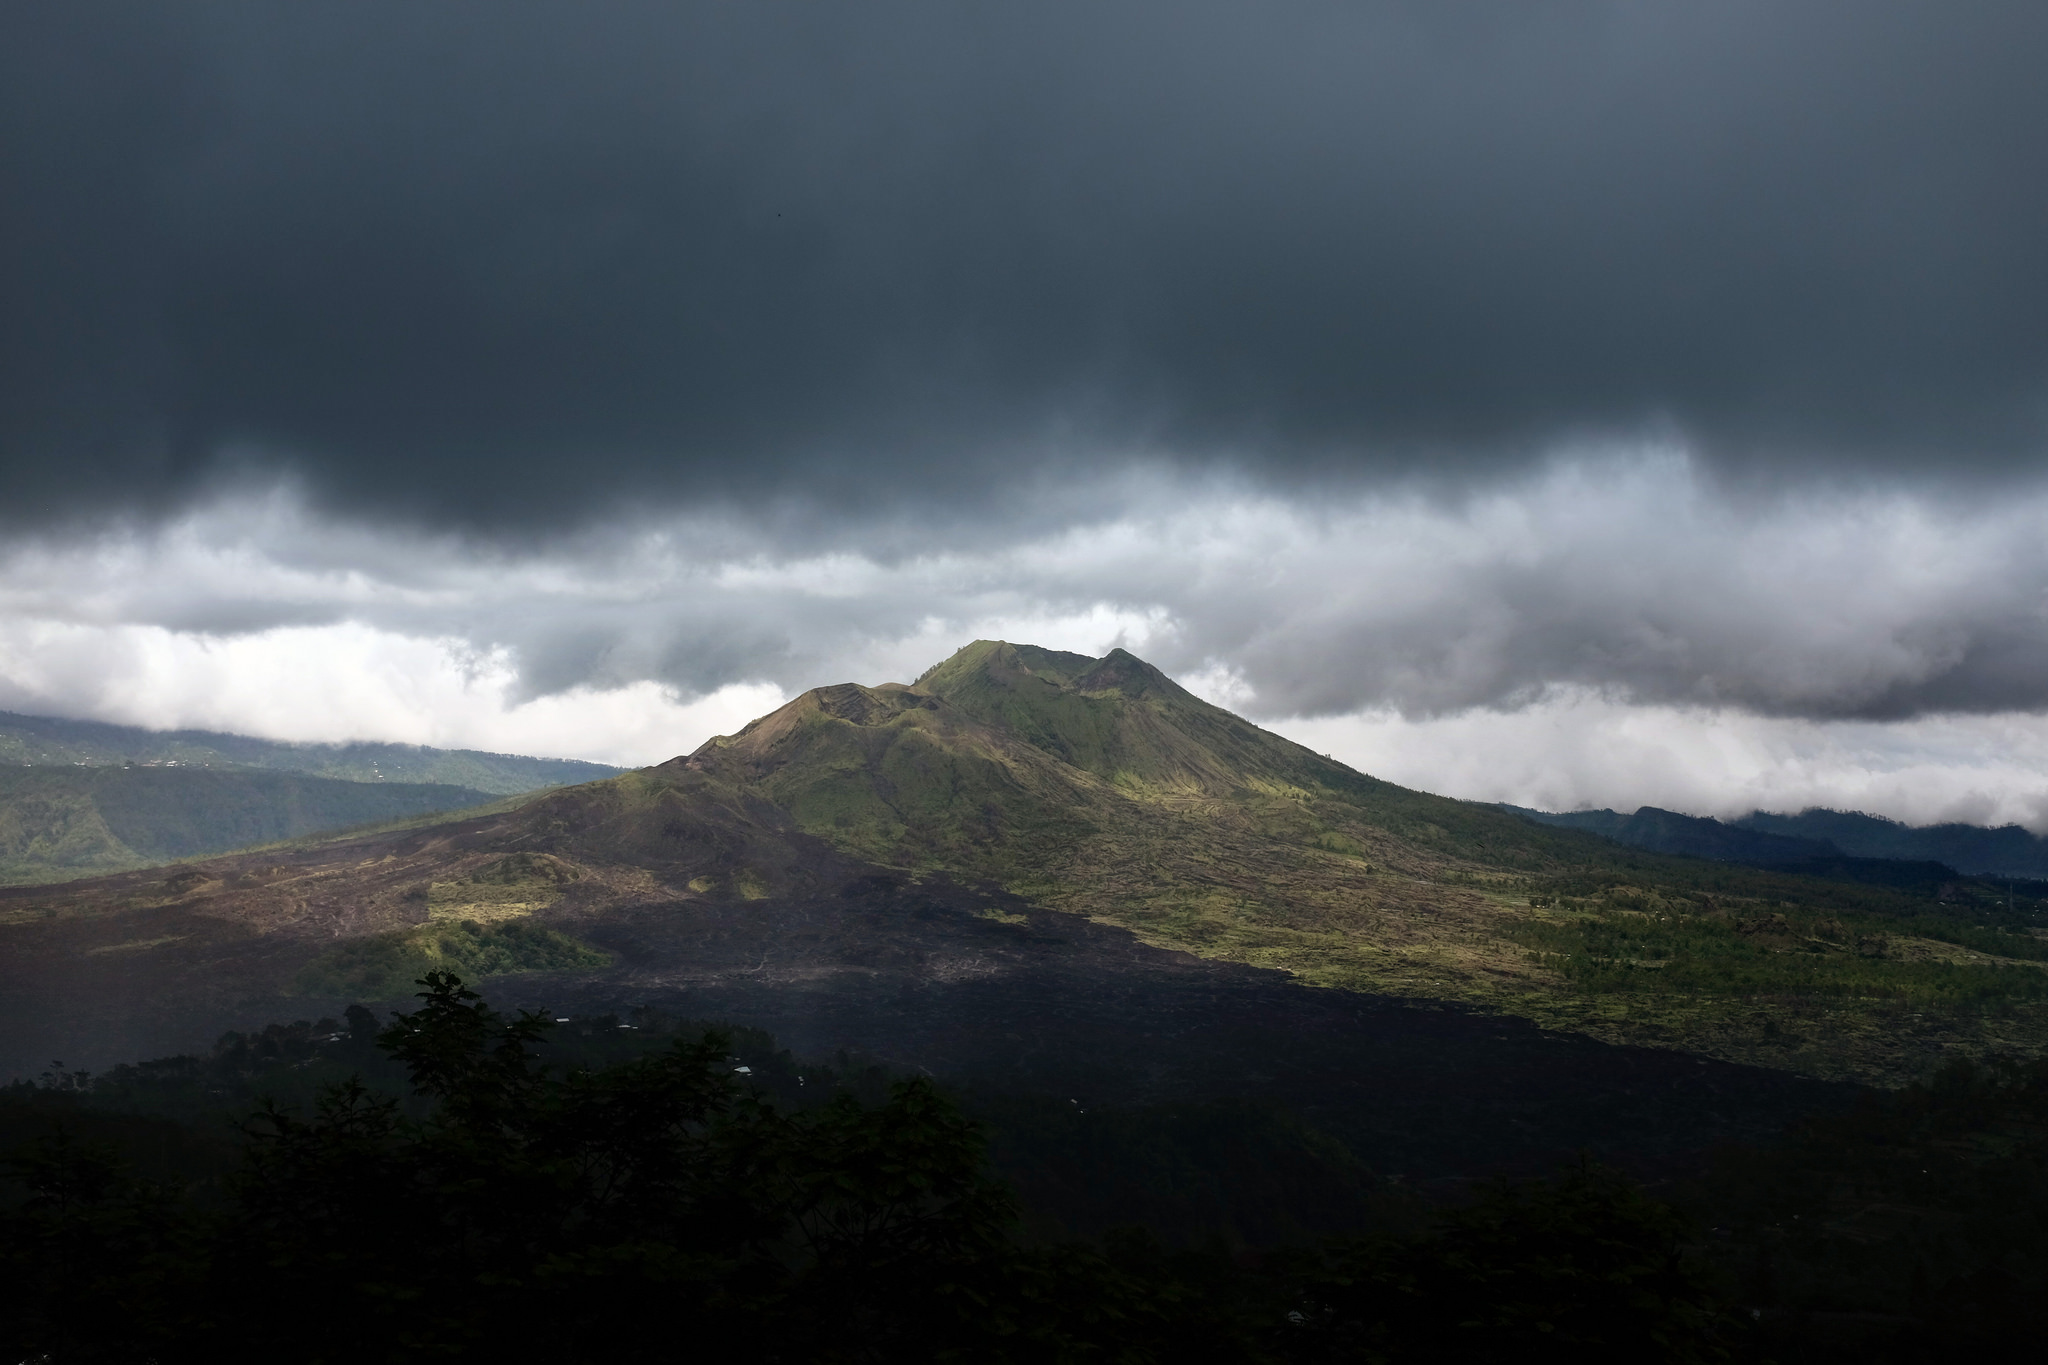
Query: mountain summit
{"points": [[1010, 760], [1118, 718]]}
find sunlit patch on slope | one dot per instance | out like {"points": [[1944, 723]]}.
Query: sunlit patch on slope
{"points": [[509, 888]]}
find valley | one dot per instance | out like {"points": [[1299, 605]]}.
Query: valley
{"points": [[79, 798], [56, 742], [57, 824]]}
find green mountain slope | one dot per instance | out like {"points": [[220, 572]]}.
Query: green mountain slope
{"points": [[901, 777], [1119, 719], [47, 741], [57, 823], [1102, 788]]}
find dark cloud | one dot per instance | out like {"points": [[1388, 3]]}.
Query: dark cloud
{"points": [[1629, 578], [514, 264]]}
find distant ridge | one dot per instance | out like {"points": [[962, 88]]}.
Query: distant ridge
{"points": [[51, 741], [1816, 834], [1695, 836], [58, 823], [2003, 851]]}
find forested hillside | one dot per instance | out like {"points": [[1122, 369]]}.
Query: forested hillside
{"points": [[2006, 851], [1767, 839], [1663, 831], [45, 741], [58, 823]]}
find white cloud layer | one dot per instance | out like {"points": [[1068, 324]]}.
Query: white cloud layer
{"points": [[350, 681], [1577, 750], [1610, 630]]}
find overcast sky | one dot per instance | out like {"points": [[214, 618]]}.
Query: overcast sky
{"points": [[1563, 403]]}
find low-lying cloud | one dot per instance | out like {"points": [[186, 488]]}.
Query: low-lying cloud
{"points": [[350, 681], [1614, 627], [1575, 750]]}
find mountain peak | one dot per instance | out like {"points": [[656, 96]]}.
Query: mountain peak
{"points": [[1002, 719], [1002, 663], [1116, 717], [1125, 673]]}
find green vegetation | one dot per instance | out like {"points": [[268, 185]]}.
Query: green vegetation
{"points": [[896, 777], [2008, 851], [1663, 831], [1775, 956], [1764, 837], [477, 926], [1100, 787], [517, 884], [60, 823], [381, 966], [501, 1188], [512, 1209]]}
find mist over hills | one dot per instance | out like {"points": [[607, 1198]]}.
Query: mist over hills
{"points": [[80, 798], [49, 740]]}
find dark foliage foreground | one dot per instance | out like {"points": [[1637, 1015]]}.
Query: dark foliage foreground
{"points": [[656, 1209], [1912, 1228]]}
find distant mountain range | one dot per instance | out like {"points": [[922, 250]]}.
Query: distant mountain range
{"points": [[45, 741], [1762, 838], [59, 823], [2005, 851], [79, 798]]}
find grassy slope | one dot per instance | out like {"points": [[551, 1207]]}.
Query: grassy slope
{"points": [[59, 823], [1102, 788], [477, 925], [45, 741]]}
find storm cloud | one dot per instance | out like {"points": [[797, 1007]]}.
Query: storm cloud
{"points": [[1624, 573], [1564, 403], [511, 267]]}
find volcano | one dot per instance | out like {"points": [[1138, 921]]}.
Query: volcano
{"points": [[1028, 869]]}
